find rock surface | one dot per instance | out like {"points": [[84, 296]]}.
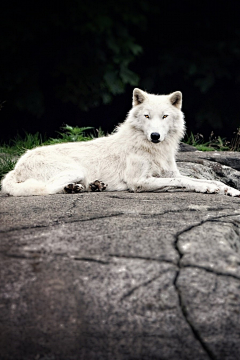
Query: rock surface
{"points": [[221, 166], [125, 276]]}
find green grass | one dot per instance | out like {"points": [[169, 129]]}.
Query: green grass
{"points": [[7, 163], [71, 134], [214, 143], [19, 145]]}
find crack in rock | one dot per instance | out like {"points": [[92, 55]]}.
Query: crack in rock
{"points": [[21, 256], [96, 217], [132, 257], [102, 262], [195, 332], [218, 273], [145, 283], [38, 255], [27, 228], [190, 227], [121, 198], [44, 226], [183, 308], [122, 213]]}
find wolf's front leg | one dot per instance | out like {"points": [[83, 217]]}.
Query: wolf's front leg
{"points": [[138, 178], [222, 188], [161, 184], [207, 186]]}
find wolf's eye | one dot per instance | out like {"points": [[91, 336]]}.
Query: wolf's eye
{"points": [[147, 116], [165, 116]]}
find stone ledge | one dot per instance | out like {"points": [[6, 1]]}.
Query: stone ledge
{"points": [[120, 276]]}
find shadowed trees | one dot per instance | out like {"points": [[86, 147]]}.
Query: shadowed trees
{"points": [[60, 59]]}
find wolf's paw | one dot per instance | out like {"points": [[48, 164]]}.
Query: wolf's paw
{"points": [[207, 188], [217, 187], [97, 185], [73, 188], [227, 190], [231, 191], [213, 189]]}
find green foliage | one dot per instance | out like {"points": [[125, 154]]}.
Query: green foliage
{"points": [[71, 134], [202, 147], [220, 144], [214, 143], [19, 145], [235, 143], [9, 153], [78, 52], [7, 163], [97, 133], [86, 52]]}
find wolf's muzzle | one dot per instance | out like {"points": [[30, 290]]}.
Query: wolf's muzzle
{"points": [[155, 137]]}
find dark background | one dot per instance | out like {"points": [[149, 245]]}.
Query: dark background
{"points": [[77, 62]]}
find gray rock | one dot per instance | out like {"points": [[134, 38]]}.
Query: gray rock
{"points": [[185, 147], [125, 276], [221, 166]]}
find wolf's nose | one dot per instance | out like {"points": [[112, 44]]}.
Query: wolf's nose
{"points": [[155, 137]]}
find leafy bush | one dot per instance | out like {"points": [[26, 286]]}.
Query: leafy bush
{"points": [[214, 143], [71, 134]]}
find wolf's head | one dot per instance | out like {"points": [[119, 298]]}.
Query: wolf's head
{"points": [[157, 116]]}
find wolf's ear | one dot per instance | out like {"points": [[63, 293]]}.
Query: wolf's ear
{"points": [[138, 96], [176, 99]]}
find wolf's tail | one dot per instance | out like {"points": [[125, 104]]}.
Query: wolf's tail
{"points": [[29, 187]]}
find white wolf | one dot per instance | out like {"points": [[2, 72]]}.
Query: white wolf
{"points": [[138, 156]]}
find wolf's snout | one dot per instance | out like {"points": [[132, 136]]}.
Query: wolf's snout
{"points": [[155, 137]]}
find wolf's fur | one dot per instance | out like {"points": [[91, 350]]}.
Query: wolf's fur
{"points": [[125, 160]]}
